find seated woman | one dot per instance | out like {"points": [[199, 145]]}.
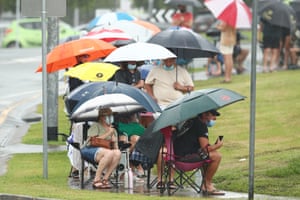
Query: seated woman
{"points": [[129, 127], [107, 159]]}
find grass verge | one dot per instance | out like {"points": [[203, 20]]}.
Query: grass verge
{"points": [[277, 147]]}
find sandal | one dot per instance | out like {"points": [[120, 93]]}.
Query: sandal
{"points": [[160, 185], [213, 192], [171, 185], [101, 184]]}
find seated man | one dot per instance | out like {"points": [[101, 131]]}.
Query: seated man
{"points": [[198, 138], [107, 159]]}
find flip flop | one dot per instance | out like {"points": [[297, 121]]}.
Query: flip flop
{"points": [[213, 192]]}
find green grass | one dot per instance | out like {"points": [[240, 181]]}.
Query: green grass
{"points": [[277, 146]]}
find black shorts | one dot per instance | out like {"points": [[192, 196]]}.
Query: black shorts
{"points": [[271, 42]]}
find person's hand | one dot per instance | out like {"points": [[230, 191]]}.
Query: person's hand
{"points": [[111, 130], [219, 143], [177, 86]]}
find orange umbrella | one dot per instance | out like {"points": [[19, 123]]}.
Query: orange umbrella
{"points": [[155, 29], [64, 55]]}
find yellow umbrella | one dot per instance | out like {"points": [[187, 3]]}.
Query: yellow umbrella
{"points": [[92, 71]]}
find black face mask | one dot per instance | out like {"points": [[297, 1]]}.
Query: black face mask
{"points": [[182, 10]]}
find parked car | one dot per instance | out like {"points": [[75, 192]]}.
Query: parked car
{"points": [[27, 32]]}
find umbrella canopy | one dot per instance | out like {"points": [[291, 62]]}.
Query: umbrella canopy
{"points": [[92, 71], [90, 90], [278, 14], [194, 3], [138, 32], [234, 12], [185, 43], [64, 55], [195, 103], [155, 29], [108, 35], [119, 103], [109, 18], [139, 51]]}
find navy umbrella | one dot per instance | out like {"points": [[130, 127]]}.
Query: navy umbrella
{"points": [[90, 90]]}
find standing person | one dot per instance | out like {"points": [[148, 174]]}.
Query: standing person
{"points": [[198, 138], [239, 54], [227, 42], [168, 82], [129, 74], [271, 43], [107, 159], [285, 46], [183, 17], [75, 82]]}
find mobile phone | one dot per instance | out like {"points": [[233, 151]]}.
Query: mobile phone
{"points": [[220, 138]]}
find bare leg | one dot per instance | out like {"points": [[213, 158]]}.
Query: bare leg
{"points": [[103, 158], [228, 61], [274, 60], [266, 58], [114, 161], [211, 170]]}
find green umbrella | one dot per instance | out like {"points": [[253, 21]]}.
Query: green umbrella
{"points": [[195, 103]]}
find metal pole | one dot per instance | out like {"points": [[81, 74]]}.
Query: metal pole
{"points": [[18, 5], [45, 119], [252, 101]]}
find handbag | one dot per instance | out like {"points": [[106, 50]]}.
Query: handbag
{"points": [[99, 142]]}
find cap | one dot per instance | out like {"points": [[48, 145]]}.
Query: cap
{"points": [[105, 112], [214, 112]]}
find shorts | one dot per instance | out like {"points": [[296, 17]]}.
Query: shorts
{"points": [[271, 42], [225, 50], [89, 153]]}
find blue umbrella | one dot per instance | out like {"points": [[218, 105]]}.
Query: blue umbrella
{"points": [[94, 89], [109, 18]]}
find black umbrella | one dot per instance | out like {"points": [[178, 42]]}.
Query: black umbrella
{"points": [[185, 43], [194, 3], [277, 13]]}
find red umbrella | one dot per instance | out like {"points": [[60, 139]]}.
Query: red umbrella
{"points": [[108, 35], [234, 12]]}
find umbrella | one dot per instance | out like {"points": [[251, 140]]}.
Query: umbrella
{"points": [[194, 3], [185, 43], [119, 103], [108, 35], [278, 14], [109, 18], [234, 12], [64, 55], [137, 31], [195, 103], [93, 89], [155, 29], [92, 71], [139, 51]]}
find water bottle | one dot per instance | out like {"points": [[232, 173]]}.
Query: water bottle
{"points": [[130, 179], [126, 178], [198, 178]]}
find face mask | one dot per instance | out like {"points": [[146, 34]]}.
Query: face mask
{"points": [[211, 123], [109, 119], [131, 66], [170, 68]]}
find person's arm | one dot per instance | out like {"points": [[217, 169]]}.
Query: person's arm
{"points": [[140, 84], [149, 90], [182, 88]]}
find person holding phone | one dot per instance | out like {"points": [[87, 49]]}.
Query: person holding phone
{"points": [[197, 137]]}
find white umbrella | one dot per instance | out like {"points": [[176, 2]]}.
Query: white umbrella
{"points": [[139, 51], [119, 103]]}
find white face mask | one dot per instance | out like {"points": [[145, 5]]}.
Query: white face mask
{"points": [[109, 119]]}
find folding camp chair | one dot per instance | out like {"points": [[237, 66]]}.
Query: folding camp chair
{"points": [[185, 171]]}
